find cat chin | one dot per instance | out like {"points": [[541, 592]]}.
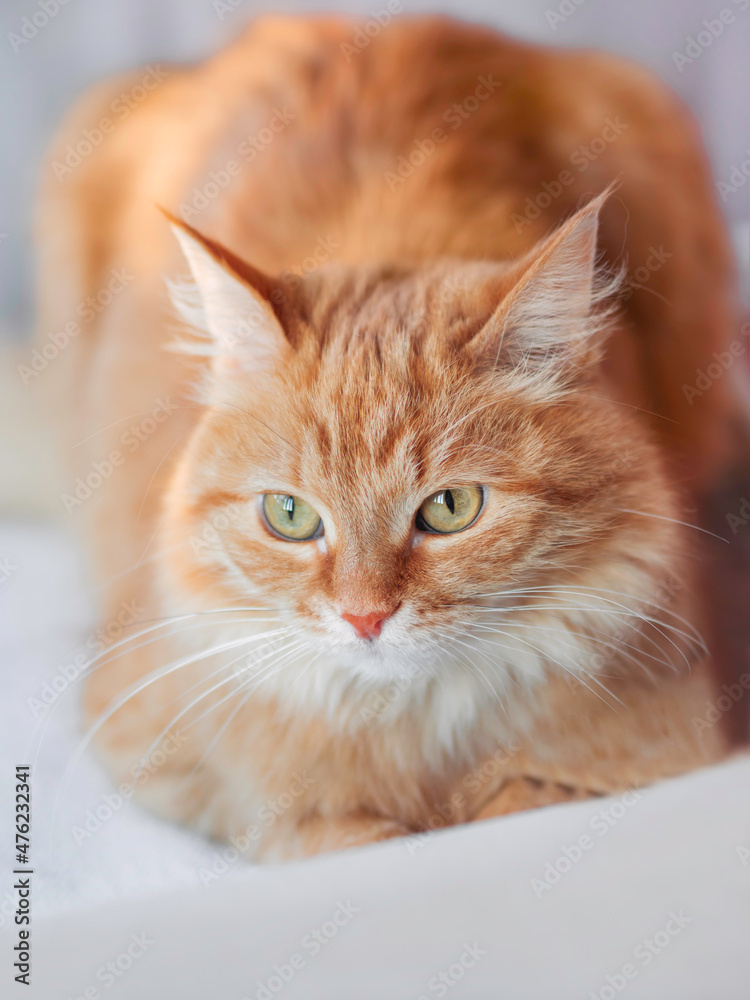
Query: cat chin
{"points": [[376, 689], [376, 664]]}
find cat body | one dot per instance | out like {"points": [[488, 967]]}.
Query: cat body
{"points": [[393, 294]]}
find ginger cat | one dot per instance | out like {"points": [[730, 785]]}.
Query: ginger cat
{"points": [[401, 494]]}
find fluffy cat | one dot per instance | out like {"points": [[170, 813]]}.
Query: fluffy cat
{"points": [[401, 497]]}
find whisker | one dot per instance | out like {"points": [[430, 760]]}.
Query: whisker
{"points": [[122, 420], [620, 614], [567, 670], [175, 719], [85, 672], [685, 524], [271, 637], [619, 402], [172, 620], [293, 647], [590, 638], [150, 483], [473, 666], [654, 622], [132, 691], [162, 551], [240, 705], [591, 635], [594, 591]]}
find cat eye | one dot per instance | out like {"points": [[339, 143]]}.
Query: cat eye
{"points": [[291, 517], [451, 509]]}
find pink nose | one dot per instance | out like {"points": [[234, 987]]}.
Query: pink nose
{"points": [[368, 626]]}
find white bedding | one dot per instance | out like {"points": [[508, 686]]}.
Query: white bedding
{"points": [[46, 615], [505, 909]]}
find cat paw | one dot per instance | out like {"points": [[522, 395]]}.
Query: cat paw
{"points": [[521, 794], [323, 836]]}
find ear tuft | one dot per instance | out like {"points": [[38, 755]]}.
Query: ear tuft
{"points": [[229, 319], [549, 324]]}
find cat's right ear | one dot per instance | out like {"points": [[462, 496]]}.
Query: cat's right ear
{"points": [[550, 326], [227, 306]]}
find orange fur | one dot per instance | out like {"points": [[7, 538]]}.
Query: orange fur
{"points": [[438, 343]]}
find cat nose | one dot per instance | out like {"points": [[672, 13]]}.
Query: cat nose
{"points": [[368, 626]]}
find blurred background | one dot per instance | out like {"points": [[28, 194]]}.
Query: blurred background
{"points": [[705, 58]]}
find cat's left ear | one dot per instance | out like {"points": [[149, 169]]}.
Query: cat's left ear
{"points": [[229, 306], [548, 322]]}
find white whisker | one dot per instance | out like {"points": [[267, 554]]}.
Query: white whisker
{"points": [[685, 524]]}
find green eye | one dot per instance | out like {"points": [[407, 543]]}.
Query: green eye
{"points": [[291, 517], [450, 509]]}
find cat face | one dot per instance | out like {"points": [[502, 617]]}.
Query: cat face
{"points": [[405, 463]]}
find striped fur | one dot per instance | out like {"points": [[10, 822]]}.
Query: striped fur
{"points": [[552, 649]]}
